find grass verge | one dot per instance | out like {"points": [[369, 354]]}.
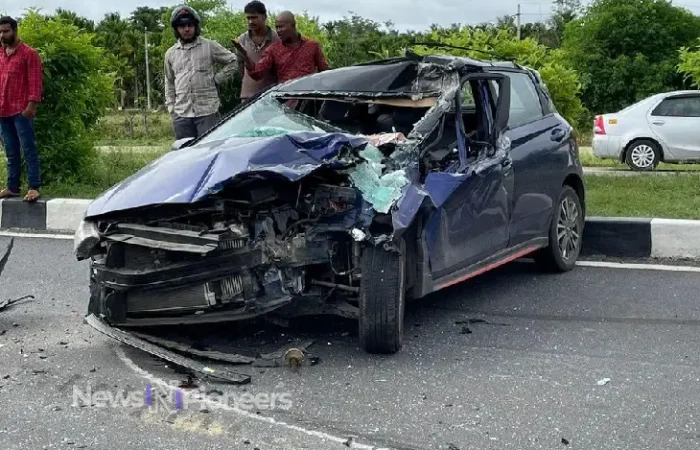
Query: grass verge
{"points": [[671, 197], [588, 159], [110, 168], [675, 196]]}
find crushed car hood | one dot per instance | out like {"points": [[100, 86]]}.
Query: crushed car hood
{"points": [[193, 173]]}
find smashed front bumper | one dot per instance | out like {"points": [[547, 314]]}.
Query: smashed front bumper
{"points": [[165, 276]]}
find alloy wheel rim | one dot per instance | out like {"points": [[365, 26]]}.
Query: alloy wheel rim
{"points": [[643, 156], [568, 228]]}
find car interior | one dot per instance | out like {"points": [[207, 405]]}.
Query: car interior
{"points": [[368, 117]]}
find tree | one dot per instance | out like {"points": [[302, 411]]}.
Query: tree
{"points": [[626, 50], [689, 64], [355, 39], [76, 92], [81, 22]]}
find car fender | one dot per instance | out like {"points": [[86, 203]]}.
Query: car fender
{"points": [[636, 135]]}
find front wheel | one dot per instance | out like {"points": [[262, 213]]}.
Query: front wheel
{"points": [[565, 234], [382, 300]]}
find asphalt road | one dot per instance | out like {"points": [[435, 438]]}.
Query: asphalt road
{"points": [[598, 358]]}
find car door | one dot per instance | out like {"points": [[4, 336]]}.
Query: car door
{"points": [[540, 142], [676, 122], [472, 197]]}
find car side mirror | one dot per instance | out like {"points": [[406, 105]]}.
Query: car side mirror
{"points": [[181, 143]]}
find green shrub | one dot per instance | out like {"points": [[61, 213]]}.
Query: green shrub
{"points": [[76, 93]]}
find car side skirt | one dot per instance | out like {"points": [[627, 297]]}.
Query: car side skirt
{"points": [[495, 261]]}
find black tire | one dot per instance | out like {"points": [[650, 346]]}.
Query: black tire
{"points": [[643, 146], [552, 257], [382, 300]]}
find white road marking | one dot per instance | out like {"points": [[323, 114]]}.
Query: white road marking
{"points": [[638, 266], [270, 420], [66, 237]]}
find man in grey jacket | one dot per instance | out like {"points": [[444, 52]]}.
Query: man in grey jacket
{"points": [[191, 85]]}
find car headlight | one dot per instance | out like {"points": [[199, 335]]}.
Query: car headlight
{"points": [[87, 236]]}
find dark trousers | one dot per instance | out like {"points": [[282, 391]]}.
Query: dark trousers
{"points": [[193, 126], [18, 134]]}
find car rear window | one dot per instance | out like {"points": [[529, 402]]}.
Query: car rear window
{"points": [[678, 107]]}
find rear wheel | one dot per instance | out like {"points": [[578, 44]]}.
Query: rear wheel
{"points": [[565, 234], [382, 300], [643, 155]]}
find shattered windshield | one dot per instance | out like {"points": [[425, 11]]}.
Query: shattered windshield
{"points": [[267, 117]]}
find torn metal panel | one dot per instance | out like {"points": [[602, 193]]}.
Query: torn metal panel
{"points": [[431, 119]]}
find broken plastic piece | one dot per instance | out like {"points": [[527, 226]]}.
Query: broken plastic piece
{"points": [[604, 381]]}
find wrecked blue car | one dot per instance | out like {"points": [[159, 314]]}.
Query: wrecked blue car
{"points": [[348, 192]]}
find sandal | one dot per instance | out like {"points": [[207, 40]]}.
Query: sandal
{"points": [[32, 196], [6, 193]]}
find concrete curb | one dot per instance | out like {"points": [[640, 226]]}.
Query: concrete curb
{"points": [[622, 237], [58, 214], [641, 238]]}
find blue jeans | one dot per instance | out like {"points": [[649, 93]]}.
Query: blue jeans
{"points": [[18, 133]]}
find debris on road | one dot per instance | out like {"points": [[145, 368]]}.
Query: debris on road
{"points": [[604, 381], [295, 358], [466, 330], [231, 358], [7, 303], [279, 358], [6, 255], [293, 355], [565, 441], [163, 353], [478, 321]]}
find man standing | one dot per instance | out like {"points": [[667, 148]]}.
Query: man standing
{"points": [[191, 86], [293, 56], [255, 41], [21, 84]]}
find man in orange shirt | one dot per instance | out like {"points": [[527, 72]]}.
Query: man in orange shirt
{"points": [[293, 56]]}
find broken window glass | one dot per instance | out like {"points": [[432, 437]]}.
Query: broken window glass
{"points": [[380, 190], [267, 117]]}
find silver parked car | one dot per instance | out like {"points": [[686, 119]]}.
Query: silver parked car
{"points": [[661, 128]]}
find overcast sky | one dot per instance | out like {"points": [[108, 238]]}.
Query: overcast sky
{"points": [[401, 12]]}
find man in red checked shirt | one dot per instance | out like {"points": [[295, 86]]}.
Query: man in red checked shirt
{"points": [[293, 56], [20, 93]]}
